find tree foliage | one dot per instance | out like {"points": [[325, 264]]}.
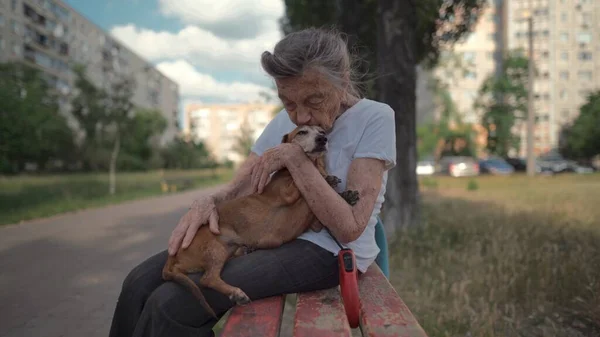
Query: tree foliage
{"points": [[179, 154], [582, 137], [244, 141], [32, 129], [502, 102]]}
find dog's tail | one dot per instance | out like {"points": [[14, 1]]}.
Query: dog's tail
{"points": [[184, 280]]}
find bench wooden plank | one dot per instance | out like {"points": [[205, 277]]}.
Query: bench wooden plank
{"points": [[259, 318], [383, 313], [321, 314]]}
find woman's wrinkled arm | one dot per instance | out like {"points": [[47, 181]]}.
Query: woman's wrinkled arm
{"points": [[346, 222], [203, 209]]}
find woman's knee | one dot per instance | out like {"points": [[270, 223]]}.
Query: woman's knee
{"points": [[145, 277], [173, 302]]}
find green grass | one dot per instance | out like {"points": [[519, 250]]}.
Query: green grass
{"points": [[518, 256], [28, 197]]}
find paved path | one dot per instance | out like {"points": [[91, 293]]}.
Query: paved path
{"points": [[61, 276]]}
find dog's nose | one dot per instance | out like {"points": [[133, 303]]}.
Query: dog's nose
{"points": [[321, 139]]}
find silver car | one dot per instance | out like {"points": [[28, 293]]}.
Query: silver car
{"points": [[458, 166]]}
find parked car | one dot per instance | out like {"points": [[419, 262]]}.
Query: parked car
{"points": [[426, 167], [497, 166], [458, 166], [520, 165]]}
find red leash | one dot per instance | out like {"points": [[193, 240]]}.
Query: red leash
{"points": [[348, 283]]}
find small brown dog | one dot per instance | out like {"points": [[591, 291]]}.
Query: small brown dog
{"points": [[258, 221]]}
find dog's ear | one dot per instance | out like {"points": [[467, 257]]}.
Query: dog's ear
{"points": [[285, 138]]}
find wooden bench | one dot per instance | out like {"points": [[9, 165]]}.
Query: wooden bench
{"points": [[321, 313]]}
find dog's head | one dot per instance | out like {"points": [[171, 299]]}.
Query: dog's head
{"points": [[312, 139]]}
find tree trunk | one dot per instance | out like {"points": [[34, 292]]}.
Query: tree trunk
{"points": [[112, 175], [396, 48]]}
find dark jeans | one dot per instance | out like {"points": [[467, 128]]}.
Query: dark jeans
{"points": [[151, 307]]}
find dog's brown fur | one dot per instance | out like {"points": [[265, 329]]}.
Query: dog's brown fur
{"points": [[259, 221]]}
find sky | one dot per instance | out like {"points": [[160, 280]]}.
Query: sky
{"points": [[211, 48]]}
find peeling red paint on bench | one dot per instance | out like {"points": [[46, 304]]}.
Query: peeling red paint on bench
{"points": [[383, 313], [321, 314], [259, 318]]}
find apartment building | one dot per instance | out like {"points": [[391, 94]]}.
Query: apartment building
{"points": [[220, 126], [52, 37], [480, 55], [465, 67], [566, 53]]}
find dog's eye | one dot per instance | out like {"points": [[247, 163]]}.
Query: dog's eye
{"points": [[303, 132]]}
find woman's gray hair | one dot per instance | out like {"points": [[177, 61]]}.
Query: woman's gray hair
{"points": [[312, 48]]}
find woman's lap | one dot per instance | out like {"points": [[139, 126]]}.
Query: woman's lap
{"points": [[161, 308]]}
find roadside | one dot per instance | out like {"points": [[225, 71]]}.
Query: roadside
{"points": [[61, 276], [24, 198]]}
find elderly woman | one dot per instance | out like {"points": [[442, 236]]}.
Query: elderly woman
{"points": [[312, 71]]}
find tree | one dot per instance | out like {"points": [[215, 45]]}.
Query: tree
{"points": [[118, 115], [137, 141], [502, 101], [179, 154], [244, 141], [103, 116], [582, 138], [404, 33], [31, 126], [87, 108]]}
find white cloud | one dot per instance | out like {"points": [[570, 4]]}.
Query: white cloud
{"points": [[198, 46], [195, 84], [227, 18]]}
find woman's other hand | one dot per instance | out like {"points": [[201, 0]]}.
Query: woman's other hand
{"points": [[202, 211], [272, 160]]}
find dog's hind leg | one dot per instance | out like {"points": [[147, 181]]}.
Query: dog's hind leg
{"points": [[212, 275], [212, 279]]}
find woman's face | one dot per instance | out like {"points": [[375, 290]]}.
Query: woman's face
{"points": [[310, 99]]}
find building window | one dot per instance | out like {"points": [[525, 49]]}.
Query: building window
{"points": [[563, 17], [564, 75], [564, 94], [565, 113], [585, 75], [1, 43], [584, 37], [564, 56], [16, 49], [469, 56], [564, 37], [585, 56], [15, 26], [470, 75], [1, 20], [13, 5]]}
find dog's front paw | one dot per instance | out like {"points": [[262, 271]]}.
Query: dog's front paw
{"points": [[351, 197], [333, 181], [239, 297]]}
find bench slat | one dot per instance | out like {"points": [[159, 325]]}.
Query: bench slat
{"points": [[259, 318], [383, 313], [321, 314]]}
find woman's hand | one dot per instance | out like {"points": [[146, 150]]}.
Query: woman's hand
{"points": [[202, 211], [272, 160]]}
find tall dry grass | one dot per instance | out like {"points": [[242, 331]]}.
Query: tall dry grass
{"points": [[516, 257]]}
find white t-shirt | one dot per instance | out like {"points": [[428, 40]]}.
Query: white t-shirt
{"points": [[366, 130]]}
